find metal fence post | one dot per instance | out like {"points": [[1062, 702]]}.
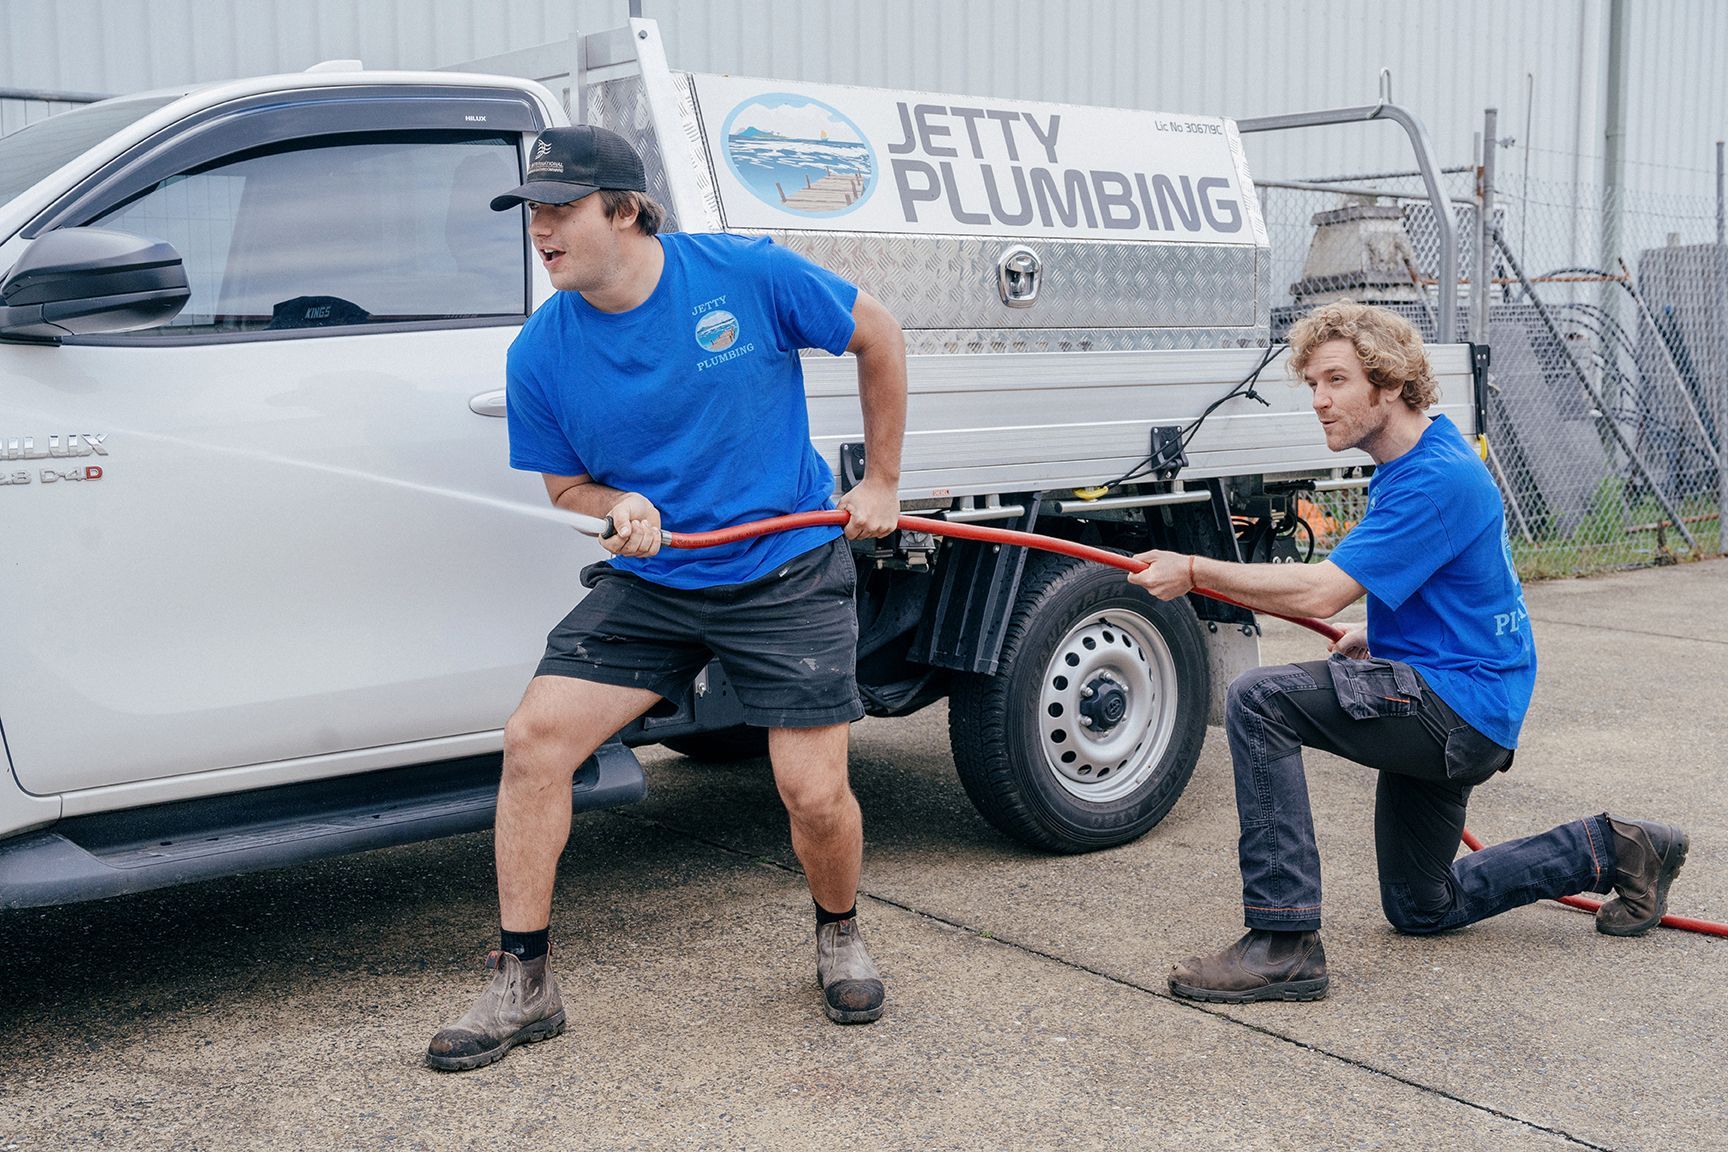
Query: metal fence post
{"points": [[1719, 192], [1721, 413], [1482, 276]]}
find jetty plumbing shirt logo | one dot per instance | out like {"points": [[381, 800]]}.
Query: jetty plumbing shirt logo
{"points": [[799, 155], [717, 332]]}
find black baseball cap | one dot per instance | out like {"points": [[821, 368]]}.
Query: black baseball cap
{"points": [[567, 164]]}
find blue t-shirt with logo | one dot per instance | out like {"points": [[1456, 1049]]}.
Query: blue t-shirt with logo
{"points": [[1443, 596], [694, 398]]}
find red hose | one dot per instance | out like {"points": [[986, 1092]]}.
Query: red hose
{"points": [[962, 532], [1097, 555]]}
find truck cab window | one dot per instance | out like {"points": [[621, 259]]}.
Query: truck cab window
{"points": [[341, 231]]}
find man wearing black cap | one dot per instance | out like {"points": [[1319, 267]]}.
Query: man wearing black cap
{"points": [[663, 380]]}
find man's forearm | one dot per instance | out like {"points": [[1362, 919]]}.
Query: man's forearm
{"points": [[1284, 589], [882, 396], [589, 499]]}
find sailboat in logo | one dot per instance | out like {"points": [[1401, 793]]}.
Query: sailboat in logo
{"points": [[800, 155]]}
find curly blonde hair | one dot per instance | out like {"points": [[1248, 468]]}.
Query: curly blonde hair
{"points": [[1388, 345]]}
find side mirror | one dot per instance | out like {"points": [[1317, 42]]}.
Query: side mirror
{"points": [[78, 281]]}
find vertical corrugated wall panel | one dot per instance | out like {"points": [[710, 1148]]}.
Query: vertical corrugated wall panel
{"points": [[1673, 127], [15, 114], [1236, 57]]}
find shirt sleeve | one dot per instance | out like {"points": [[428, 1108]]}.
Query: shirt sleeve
{"points": [[1395, 548], [537, 443], [812, 305]]}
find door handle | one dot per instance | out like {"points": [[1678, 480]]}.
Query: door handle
{"points": [[488, 403]]}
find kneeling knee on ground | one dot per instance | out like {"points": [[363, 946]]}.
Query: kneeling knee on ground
{"points": [[1412, 918]]}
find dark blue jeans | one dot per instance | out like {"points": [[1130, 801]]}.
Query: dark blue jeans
{"points": [[1381, 714]]}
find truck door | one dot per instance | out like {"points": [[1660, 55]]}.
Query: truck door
{"points": [[287, 549]]}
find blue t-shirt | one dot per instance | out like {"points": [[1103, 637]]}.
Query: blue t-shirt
{"points": [[694, 398], [1443, 596]]}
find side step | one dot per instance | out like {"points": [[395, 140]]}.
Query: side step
{"points": [[113, 853]]}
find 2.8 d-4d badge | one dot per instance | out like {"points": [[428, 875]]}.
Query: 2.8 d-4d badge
{"points": [[70, 446]]}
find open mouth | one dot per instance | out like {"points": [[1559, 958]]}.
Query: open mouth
{"points": [[549, 255]]}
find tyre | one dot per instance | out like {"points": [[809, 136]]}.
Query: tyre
{"points": [[722, 745], [1091, 726]]}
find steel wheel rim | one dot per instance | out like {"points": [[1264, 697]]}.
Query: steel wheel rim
{"points": [[1115, 653]]}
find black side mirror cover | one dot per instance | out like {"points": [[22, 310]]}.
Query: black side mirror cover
{"points": [[76, 281]]}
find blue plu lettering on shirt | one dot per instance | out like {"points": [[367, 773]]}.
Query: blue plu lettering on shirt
{"points": [[1443, 595]]}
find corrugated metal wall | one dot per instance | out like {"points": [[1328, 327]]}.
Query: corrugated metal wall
{"points": [[16, 112], [1542, 62]]}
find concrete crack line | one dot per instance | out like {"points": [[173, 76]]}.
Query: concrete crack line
{"points": [[1628, 631], [1124, 982]]}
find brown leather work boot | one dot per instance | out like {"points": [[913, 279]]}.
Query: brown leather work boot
{"points": [[852, 991], [1647, 857], [1260, 966], [520, 1006]]}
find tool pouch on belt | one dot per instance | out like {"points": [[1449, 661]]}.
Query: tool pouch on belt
{"points": [[1374, 689], [1368, 689]]}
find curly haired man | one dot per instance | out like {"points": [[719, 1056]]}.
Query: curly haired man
{"points": [[1435, 709]]}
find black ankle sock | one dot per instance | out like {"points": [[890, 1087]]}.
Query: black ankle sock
{"points": [[823, 916], [525, 946]]}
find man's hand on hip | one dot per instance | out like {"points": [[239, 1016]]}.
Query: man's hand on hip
{"points": [[636, 523], [875, 509]]}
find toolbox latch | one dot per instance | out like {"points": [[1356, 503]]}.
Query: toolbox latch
{"points": [[1017, 276]]}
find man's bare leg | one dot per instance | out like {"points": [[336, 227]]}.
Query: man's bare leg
{"points": [[558, 725], [827, 828], [828, 836]]}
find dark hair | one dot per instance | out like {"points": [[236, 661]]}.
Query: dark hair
{"points": [[649, 215]]}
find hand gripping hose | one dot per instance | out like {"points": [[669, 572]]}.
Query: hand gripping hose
{"points": [[604, 529]]}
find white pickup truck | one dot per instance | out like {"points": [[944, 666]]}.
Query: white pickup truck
{"points": [[270, 590]]}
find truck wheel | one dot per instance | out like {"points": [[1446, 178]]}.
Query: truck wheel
{"points": [[722, 745], [1091, 726]]}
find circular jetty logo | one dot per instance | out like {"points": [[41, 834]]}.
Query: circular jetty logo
{"points": [[717, 331], [799, 155]]}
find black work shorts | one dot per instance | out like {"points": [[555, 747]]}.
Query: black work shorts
{"points": [[788, 641]]}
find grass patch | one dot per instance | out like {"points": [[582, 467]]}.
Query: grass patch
{"points": [[1618, 532]]}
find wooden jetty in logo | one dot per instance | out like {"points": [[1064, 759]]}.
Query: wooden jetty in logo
{"points": [[833, 192]]}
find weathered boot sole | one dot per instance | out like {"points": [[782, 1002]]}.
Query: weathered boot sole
{"points": [[532, 1034], [1665, 874], [844, 1016], [1288, 990]]}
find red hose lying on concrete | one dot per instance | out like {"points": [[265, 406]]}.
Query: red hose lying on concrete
{"points": [[1082, 552]]}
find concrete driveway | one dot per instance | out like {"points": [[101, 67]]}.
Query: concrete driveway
{"points": [[1027, 999]]}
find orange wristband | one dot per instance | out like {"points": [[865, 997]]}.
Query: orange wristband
{"points": [[1192, 584]]}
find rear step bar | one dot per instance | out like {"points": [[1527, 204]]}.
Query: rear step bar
{"points": [[114, 853]]}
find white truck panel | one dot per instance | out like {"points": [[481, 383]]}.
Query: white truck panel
{"points": [[988, 423], [256, 578]]}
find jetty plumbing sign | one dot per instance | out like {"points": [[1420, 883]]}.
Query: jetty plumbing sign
{"points": [[870, 160]]}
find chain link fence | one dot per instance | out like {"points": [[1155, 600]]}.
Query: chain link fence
{"points": [[1607, 317]]}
